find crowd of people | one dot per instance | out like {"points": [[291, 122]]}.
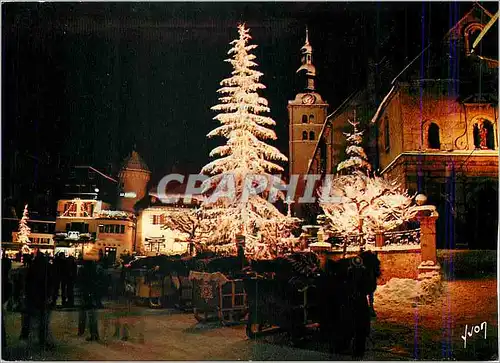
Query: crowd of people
{"points": [[34, 289]]}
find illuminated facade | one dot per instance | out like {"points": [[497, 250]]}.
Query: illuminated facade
{"points": [[439, 135], [436, 130], [152, 237], [91, 225]]}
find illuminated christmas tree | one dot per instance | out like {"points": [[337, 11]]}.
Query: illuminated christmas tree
{"points": [[244, 154], [24, 230], [357, 159], [356, 204]]}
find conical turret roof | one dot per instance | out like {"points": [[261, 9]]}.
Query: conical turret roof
{"points": [[134, 162]]}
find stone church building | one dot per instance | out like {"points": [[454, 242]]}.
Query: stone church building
{"points": [[435, 130]]}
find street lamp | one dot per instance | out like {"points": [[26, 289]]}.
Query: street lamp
{"points": [[289, 202]]}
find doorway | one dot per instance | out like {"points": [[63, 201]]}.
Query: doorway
{"points": [[110, 254]]}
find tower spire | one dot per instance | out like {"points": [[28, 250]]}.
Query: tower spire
{"points": [[307, 66]]}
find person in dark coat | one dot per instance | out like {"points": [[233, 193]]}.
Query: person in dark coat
{"points": [[88, 280], [59, 275], [38, 298], [6, 292], [68, 281]]}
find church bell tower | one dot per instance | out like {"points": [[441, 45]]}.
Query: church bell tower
{"points": [[306, 114]]}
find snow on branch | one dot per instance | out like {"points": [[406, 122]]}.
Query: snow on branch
{"points": [[357, 203], [245, 153]]}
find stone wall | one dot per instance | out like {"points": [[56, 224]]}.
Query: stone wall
{"points": [[410, 114], [402, 264]]}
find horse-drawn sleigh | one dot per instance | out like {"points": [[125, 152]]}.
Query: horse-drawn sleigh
{"points": [[293, 294], [290, 293]]}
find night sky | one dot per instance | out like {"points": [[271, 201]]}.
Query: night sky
{"points": [[85, 83]]}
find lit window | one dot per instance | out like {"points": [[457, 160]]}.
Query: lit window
{"points": [[311, 119], [484, 135]]}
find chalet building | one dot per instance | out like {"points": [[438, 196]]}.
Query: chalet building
{"points": [[87, 222], [89, 225], [153, 210]]}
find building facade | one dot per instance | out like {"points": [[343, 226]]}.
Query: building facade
{"points": [[439, 135], [154, 238], [90, 225]]}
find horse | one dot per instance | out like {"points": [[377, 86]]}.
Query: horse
{"points": [[344, 312]]}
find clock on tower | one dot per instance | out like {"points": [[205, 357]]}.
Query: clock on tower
{"points": [[308, 99]]}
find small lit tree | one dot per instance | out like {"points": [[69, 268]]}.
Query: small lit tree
{"points": [[356, 156], [24, 230]]}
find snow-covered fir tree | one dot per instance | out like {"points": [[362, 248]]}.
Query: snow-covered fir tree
{"points": [[356, 156], [245, 154], [24, 230], [358, 204]]}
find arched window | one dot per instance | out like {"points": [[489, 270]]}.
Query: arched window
{"points": [[433, 136], [311, 119], [304, 119], [387, 144], [304, 135], [470, 34], [311, 135], [484, 137]]}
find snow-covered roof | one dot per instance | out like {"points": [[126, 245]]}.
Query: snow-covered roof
{"points": [[476, 13]]}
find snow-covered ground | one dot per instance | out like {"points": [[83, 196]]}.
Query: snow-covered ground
{"points": [[401, 331], [409, 292]]}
